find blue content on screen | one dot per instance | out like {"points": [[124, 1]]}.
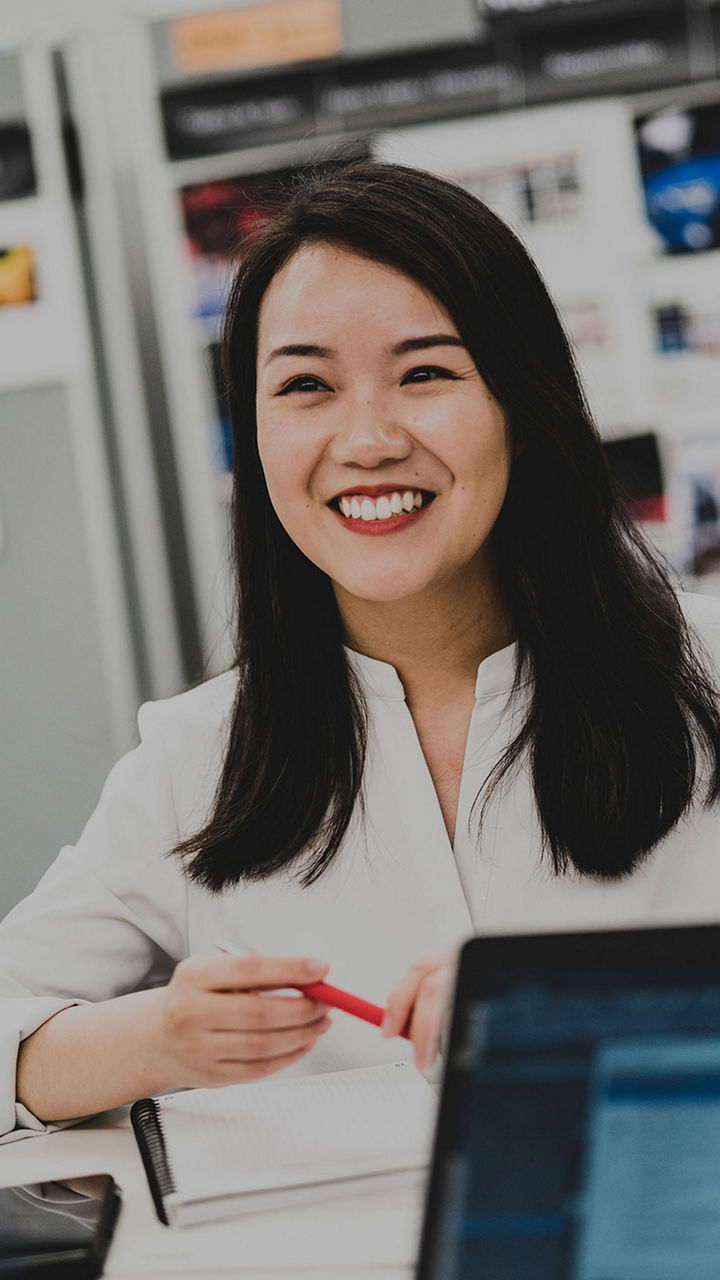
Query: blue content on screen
{"points": [[587, 1151]]}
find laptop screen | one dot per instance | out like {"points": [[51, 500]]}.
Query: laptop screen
{"points": [[579, 1129]]}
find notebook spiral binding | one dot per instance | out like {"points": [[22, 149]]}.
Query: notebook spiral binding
{"points": [[148, 1129]]}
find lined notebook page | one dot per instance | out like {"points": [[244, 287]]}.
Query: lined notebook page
{"points": [[273, 1134]]}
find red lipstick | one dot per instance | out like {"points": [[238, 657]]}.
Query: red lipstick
{"points": [[377, 528]]}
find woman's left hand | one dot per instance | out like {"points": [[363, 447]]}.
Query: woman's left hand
{"points": [[420, 1002]]}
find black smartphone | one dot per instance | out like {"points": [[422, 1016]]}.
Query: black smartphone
{"points": [[60, 1229]]}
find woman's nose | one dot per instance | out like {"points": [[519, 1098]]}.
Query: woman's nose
{"points": [[369, 435]]}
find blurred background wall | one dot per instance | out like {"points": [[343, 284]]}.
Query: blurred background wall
{"points": [[139, 139]]}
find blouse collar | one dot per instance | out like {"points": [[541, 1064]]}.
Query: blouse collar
{"points": [[495, 675]]}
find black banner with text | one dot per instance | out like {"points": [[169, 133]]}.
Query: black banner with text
{"points": [[531, 51]]}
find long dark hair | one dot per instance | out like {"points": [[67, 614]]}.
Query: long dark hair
{"points": [[621, 709]]}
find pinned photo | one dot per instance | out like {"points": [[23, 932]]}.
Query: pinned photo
{"points": [[680, 163], [17, 276], [219, 216]]}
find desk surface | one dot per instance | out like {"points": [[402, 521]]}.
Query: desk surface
{"points": [[350, 1239]]}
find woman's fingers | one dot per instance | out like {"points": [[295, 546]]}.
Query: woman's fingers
{"points": [[428, 1016], [226, 1011], [233, 1072], [220, 1021], [402, 998], [420, 1001], [256, 1046], [400, 1002], [249, 973]]}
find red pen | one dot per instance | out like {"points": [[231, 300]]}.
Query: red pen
{"points": [[327, 994]]}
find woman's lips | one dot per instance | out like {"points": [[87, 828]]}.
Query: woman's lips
{"points": [[376, 528]]}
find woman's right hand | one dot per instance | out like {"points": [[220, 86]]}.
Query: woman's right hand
{"points": [[221, 1024]]}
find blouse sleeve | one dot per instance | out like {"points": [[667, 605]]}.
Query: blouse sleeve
{"points": [[108, 917]]}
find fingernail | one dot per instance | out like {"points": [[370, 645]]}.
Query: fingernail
{"points": [[316, 967]]}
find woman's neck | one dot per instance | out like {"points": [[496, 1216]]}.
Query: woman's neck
{"points": [[436, 644]]}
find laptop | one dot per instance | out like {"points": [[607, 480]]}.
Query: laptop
{"points": [[578, 1132]]}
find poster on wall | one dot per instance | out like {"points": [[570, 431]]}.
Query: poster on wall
{"points": [[672, 491], [686, 325], [683, 300], [259, 35], [636, 467], [218, 217], [695, 505], [679, 149], [17, 275], [639, 469], [17, 172], [40, 292], [537, 191]]}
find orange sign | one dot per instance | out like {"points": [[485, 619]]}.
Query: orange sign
{"points": [[262, 35], [17, 276]]}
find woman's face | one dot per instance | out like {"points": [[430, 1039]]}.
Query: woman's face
{"points": [[386, 457]]}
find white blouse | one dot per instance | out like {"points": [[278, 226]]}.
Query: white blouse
{"points": [[114, 913]]}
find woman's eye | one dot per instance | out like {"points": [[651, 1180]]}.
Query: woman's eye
{"points": [[427, 373], [303, 382]]}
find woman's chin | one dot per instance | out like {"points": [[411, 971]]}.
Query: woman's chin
{"points": [[393, 589]]}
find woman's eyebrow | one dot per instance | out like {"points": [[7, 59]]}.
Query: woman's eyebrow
{"points": [[399, 349], [428, 340], [300, 349]]}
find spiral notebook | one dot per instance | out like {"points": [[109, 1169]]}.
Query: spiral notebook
{"points": [[214, 1153]]}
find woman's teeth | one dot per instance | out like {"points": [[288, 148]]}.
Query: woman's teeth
{"points": [[361, 507]]}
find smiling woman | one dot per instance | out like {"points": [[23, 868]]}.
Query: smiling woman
{"points": [[466, 697], [345, 433]]}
